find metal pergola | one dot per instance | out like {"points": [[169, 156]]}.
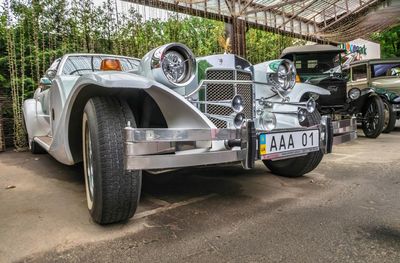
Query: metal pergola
{"points": [[314, 20]]}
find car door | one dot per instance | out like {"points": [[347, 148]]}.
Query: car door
{"points": [[358, 77]]}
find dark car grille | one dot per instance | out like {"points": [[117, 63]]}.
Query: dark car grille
{"points": [[215, 92], [338, 96]]}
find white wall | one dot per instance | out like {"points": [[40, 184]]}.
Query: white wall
{"points": [[365, 49]]}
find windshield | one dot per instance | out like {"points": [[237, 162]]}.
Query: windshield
{"points": [[317, 63], [80, 65], [385, 69]]}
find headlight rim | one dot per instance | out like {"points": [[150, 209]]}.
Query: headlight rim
{"points": [[274, 78], [158, 57], [350, 93]]}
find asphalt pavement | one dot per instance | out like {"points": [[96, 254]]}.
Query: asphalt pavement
{"points": [[347, 210]]}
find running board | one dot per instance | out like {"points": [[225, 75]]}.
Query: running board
{"points": [[44, 142]]}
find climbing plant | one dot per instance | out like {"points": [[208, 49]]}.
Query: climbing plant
{"points": [[33, 33]]}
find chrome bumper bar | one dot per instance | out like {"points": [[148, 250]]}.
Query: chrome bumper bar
{"points": [[344, 130], [396, 107], [148, 149]]}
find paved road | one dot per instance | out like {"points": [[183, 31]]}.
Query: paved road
{"points": [[348, 210]]}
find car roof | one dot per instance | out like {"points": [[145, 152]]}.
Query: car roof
{"points": [[311, 49], [98, 54], [376, 61]]}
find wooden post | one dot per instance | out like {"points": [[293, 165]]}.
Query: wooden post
{"points": [[236, 31]]}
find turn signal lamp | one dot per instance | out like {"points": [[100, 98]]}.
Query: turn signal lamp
{"points": [[298, 80], [110, 64]]}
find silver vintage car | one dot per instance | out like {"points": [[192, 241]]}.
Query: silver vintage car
{"points": [[169, 110]]}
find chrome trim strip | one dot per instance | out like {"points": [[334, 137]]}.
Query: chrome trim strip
{"points": [[285, 155], [338, 139], [176, 161], [169, 134], [43, 144]]}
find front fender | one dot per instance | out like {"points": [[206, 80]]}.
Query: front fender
{"points": [[176, 110], [302, 88]]}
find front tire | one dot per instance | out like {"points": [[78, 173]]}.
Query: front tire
{"points": [[390, 117], [373, 117], [112, 192], [298, 166]]}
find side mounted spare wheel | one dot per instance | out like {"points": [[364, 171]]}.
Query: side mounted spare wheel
{"points": [[298, 166], [112, 192]]}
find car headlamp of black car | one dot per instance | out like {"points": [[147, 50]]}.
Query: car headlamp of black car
{"points": [[354, 93]]}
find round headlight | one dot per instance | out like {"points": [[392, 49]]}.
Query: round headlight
{"points": [[354, 93], [171, 64], [174, 66], [286, 75], [267, 121], [281, 73]]}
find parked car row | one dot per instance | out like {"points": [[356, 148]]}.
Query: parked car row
{"points": [[169, 110], [368, 89]]}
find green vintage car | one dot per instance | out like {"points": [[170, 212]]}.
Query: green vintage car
{"points": [[383, 76]]}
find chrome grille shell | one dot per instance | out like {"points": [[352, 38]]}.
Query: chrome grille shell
{"points": [[216, 92]]}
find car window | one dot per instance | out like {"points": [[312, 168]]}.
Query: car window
{"points": [[316, 63], [385, 69], [359, 72]]}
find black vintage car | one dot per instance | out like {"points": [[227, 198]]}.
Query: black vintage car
{"points": [[321, 65]]}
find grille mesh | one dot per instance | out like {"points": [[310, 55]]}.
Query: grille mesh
{"points": [[215, 92]]}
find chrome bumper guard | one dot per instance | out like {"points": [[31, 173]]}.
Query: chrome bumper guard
{"points": [[344, 130], [144, 147]]}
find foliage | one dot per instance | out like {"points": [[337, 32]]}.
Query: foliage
{"points": [[390, 42], [35, 32]]}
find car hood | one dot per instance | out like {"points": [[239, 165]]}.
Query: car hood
{"points": [[392, 84]]}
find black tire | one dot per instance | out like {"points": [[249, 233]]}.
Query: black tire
{"points": [[298, 166], [390, 117], [112, 192], [373, 117], [36, 148]]}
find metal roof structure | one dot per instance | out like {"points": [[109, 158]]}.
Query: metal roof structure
{"points": [[316, 20]]}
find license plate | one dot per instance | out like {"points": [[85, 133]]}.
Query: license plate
{"points": [[279, 145]]}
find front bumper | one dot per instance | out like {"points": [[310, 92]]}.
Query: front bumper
{"points": [[396, 107], [148, 149]]}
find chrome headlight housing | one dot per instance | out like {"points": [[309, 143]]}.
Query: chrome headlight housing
{"points": [[281, 73], [354, 93], [173, 64]]}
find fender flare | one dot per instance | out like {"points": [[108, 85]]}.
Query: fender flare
{"points": [[176, 110]]}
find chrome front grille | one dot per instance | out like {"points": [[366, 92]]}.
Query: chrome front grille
{"points": [[215, 92]]}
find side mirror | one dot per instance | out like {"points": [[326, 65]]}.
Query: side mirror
{"points": [[51, 73], [45, 82]]}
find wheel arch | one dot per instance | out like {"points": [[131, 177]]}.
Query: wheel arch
{"points": [[170, 109]]}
